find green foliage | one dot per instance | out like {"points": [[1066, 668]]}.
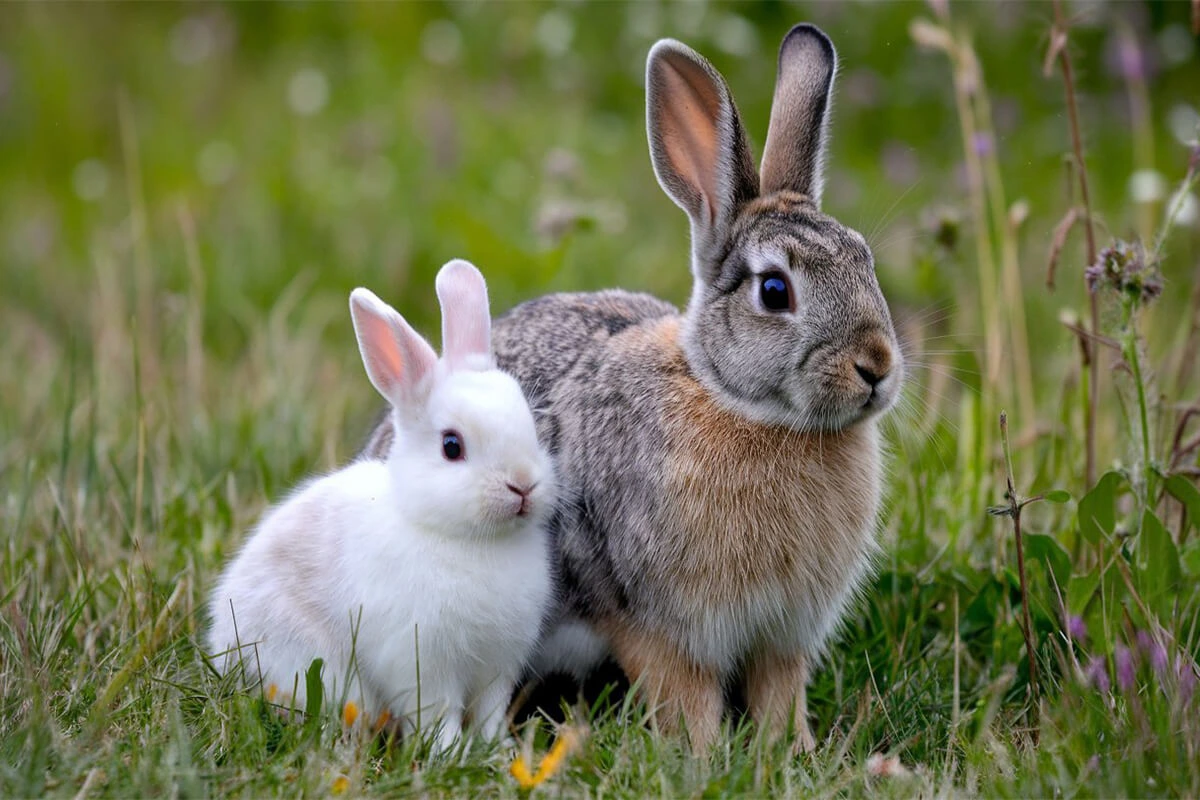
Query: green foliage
{"points": [[1098, 508], [187, 195]]}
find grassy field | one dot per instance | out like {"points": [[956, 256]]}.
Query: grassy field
{"points": [[188, 194]]}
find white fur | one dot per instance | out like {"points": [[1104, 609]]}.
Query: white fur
{"points": [[414, 579]]}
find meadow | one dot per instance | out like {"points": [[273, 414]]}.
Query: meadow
{"points": [[188, 193]]}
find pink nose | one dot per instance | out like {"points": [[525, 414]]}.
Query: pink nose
{"points": [[522, 492]]}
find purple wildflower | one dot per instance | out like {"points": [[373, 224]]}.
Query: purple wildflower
{"points": [[1076, 627], [1158, 659], [1129, 58], [981, 143], [1187, 679], [1125, 669], [1154, 651], [1097, 674], [1129, 55], [1123, 267]]}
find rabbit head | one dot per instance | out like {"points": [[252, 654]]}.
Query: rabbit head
{"points": [[466, 456], [786, 323]]}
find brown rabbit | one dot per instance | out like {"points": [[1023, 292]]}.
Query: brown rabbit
{"points": [[720, 468]]}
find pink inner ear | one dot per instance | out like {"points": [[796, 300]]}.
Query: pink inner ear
{"points": [[687, 120], [381, 355], [395, 356]]}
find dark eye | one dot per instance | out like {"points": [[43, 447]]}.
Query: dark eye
{"points": [[452, 446], [774, 293]]}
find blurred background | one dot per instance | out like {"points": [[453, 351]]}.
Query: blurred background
{"points": [[189, 192]]}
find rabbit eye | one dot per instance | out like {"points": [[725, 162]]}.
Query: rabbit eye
{"points": [[775, 293], [452, 446]]}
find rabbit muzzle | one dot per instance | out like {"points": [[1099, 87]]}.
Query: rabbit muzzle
{"points": [[522, 497]]}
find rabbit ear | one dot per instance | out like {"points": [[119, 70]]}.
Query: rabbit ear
{"points": [[697, 141], [397, 359], [796, 136], [466, 322]]}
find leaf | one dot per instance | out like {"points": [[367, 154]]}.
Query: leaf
{"points": [[1189, 559], [1052, 556], [1057, 496], [1081, 591], [1098, 508], [1156, 558], [980, 614], [1186, 492]]}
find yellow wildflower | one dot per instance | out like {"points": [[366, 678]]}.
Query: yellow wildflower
{"points": [[349, 713], [521, 772], [568, 741], [340, 784]]}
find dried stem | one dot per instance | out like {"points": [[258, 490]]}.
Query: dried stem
{"points": [[1086, 337], [1015, 505], [1010, 269], [1064, 59], [1057, 242], [1179, 450]]}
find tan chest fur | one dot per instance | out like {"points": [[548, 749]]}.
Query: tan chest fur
{"points": [[765, 525]]}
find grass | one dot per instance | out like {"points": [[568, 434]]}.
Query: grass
{"points": [[183, 216]]}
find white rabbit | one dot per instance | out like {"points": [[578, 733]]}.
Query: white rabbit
{"points": [[422, 580]]}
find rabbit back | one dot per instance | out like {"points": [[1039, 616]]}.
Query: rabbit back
{"points": [[540, 341]]}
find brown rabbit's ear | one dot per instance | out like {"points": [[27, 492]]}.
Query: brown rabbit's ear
{"points": [[697, 141], [466, 321], [796, 137], [397, 359]]}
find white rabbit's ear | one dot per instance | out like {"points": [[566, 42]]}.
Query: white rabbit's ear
{"points": [[792, 157], [397, 359], [466, 321], [697, 142]]}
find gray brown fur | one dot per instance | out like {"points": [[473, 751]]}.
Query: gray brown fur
{"points": [[720, 469]]}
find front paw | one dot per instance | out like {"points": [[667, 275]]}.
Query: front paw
{"points": [[803, 741], [449, 732]]}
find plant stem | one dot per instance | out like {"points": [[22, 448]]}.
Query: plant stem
{"points": [[1014, 510], [1093, 365], [1129, 349]]}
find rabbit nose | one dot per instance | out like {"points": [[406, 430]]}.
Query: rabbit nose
{"points": [[868, 373], [873, 362], [522, 490]]}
